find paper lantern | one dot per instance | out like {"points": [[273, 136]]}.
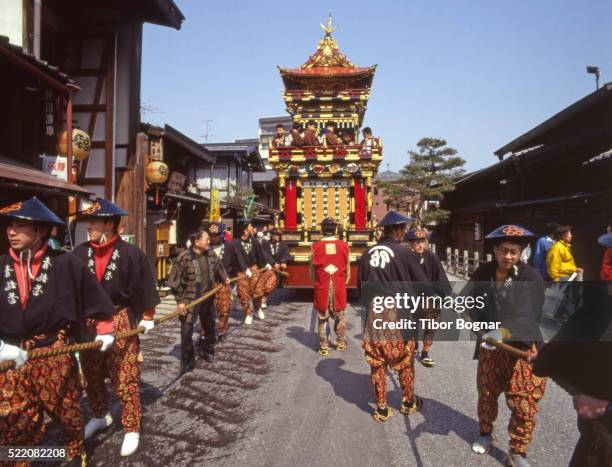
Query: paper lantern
{"points": [[81, 144], [157, 172]]}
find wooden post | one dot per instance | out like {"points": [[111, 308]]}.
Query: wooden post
{"points": [[449, 259], [489, 258], [476, 260], [466, 263], [456, 255], [69, 160]]}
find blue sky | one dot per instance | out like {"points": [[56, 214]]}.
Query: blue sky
{"points": [[477, 73]]}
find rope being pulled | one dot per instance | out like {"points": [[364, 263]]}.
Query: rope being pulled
{"points": [[47, 352]]}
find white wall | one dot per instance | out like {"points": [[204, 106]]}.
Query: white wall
{"points": [[11, 21]]}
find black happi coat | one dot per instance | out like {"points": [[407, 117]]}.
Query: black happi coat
{"points": [[277, 250], [63, 295], [430, 263], [390, 268], [128, 279], [256, 255], [517, 306], [389, 261], [228, 257]]}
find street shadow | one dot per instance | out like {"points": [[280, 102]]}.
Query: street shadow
{"points": [[280, 296], [308, 339], [347, 385], [441, 419], [149, 394]]}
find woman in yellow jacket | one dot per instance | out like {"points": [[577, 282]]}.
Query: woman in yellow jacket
{"points": [[559, 260]]}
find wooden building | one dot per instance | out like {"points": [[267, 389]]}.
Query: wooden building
{"points": [[265, 188], [175, 208], [236, 163], [98, 45], [560, 171], [35, 99]]}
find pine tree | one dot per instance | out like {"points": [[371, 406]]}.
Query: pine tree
{"points": [[431, 171]]}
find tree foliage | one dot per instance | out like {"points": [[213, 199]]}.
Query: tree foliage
{"points": [[430, 173]]}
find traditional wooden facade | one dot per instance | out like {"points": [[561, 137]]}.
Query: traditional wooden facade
{"points": [[98, 43], [558, 171], [175, 208], [319, 181], [36, 98]]}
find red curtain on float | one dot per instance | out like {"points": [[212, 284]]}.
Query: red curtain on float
{"points": [[290, 205], [360, 205]]}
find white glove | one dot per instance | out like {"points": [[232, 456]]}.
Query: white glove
{"points": [[147, 324], [107, 341], [268, 266], [248, 273], [12, 352], [494, 334]]}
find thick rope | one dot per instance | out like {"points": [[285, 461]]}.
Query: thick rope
{"points": [[495, 343], [507, 348], [47, 352]]}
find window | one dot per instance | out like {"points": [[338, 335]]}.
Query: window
{"points": [[245, 179], [220, 177], [203, 179]]}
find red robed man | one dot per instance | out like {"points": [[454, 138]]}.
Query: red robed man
{"points": [[330, 270]]}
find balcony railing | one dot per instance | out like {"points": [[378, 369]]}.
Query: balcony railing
{"points": [[299, 94], [325, 153]]}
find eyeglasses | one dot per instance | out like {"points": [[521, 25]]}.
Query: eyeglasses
{"points": [[505, 251]]}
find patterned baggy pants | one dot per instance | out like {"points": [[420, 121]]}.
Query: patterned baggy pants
{"points": [[223, 304], [336, 316], [120, 364], [498, 372], [428, 334], [396, 356], [48, 385], [243, 287], [254, 287], [263, 284]]}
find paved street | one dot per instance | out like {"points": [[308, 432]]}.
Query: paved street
{"points": [[270, 400]]}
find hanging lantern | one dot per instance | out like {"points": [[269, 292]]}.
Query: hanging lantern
{"points": [[81, 144], [157, 172]]}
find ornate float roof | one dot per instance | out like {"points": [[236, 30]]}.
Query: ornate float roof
{"points": [[327, 62]]}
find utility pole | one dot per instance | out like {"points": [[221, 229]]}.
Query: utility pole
{"points": [[207, 134]]}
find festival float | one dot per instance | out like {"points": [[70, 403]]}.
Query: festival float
{"points": [[316, 182]]}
